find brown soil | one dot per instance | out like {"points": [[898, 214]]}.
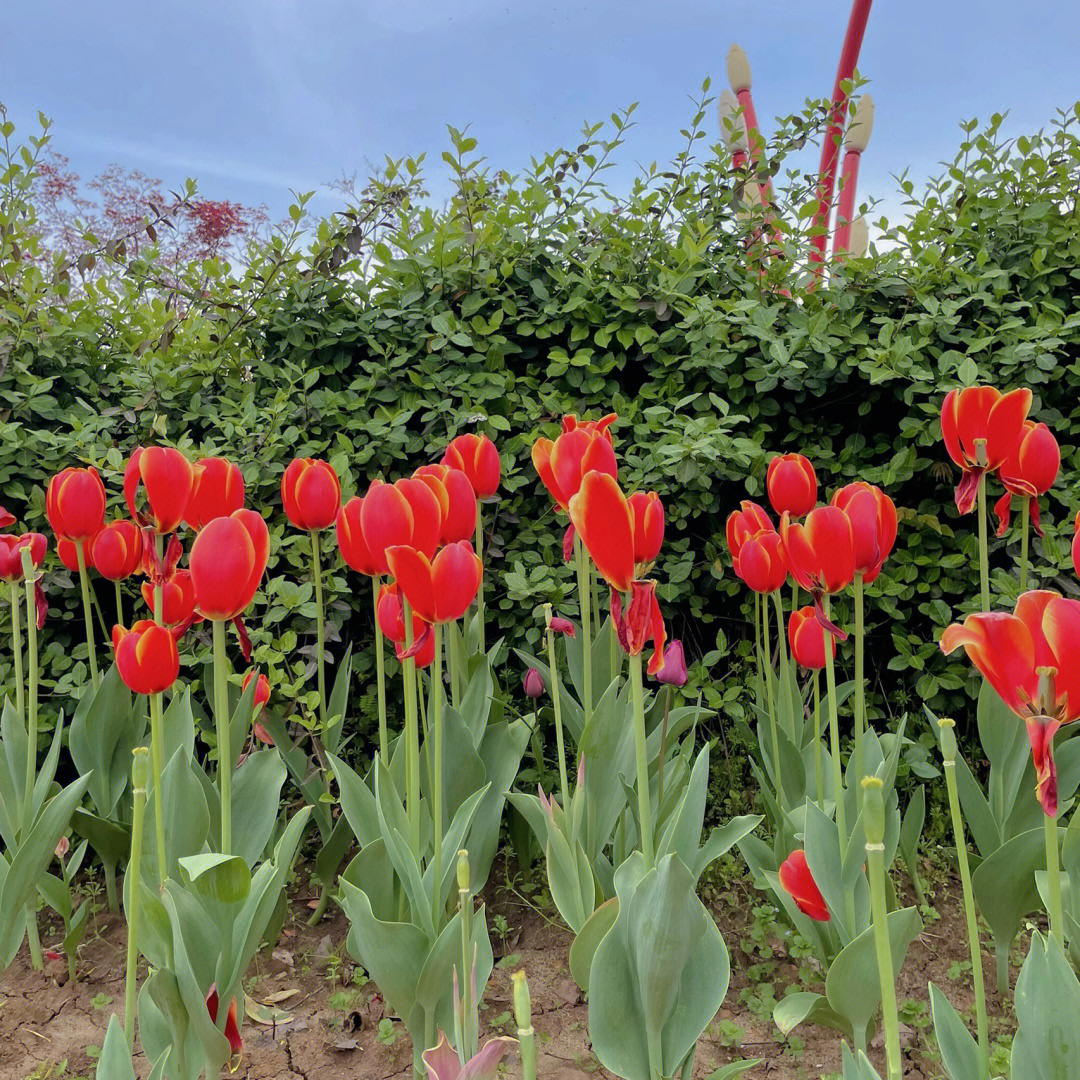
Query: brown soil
{"points": [[49, 1029]]}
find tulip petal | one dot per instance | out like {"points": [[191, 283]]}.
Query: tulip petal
{"points": [[603, 520]]}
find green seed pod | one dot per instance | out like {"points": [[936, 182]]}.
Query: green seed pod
{"points": [[874, 809], [139, 768]]}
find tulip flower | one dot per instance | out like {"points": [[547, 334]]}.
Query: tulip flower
{"points": [[800, 885], [232, 1027], [166, 478], [533, 684], [443, 1063], [75, 504], [146, 657], [262, 696], [1075, 544], [641, 622], [310, 493], [648, 513], [807, 638], [792, 485], [440, 589], [580, 449], [760, 562], [11, 567], [477, 457], [7, 518], [117, 550], [673, 670], [820, 554], [456, 500], [217, 490], [559, 625], [605, 524], [178, 601], [67, 552], [744, 523]]}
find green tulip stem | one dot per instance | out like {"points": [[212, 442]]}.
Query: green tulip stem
{"points": [[1053, 878], [1025, 527], [875, 860], [88, 615], [157, 741], [412, 734], [585, 600], [663, 750], [17, 651], [781, 640], [119, 603], [834, 736], [948, 753], [380, 673], [773, 723], [159, 590], [819, 769], [437, 778], [31, 742], [480, 590], [525, 1033], [468, 1035], [984, 564], [757, 635], [860, 683], [564, 783], [794, 596], [138, 792], [221, 711], [644, 808], [320, 627]]}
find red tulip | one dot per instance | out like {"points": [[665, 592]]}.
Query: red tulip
{"points": [[477, 457], [533, 684], [68, 553], [217, 490], [262, 692], [559, 625], [603, 519], [981, 428], [792, 485], [673, 672], [117, 550], [1029, 472], [648, 513], [232, 1027], [310, 493], [1076, 544], [166, 477], [873, 525], [227, 562], [744, 523], [6, 518], [177, 598], [820, 554], [146, 657], [800, 885], [406, 513], [642, 621], [760, 563], [580, 449], [391, 618], [456, 500], [75, 504], [11, 567], [426, 509], [1032, 659], [807, 638], [438, 590]]}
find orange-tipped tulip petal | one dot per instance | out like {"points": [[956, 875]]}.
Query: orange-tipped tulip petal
{"points": [[166, 478], [477, 457], [217, 490], [605, 523], [117, 550], [146, 657], [311, 494], [648, 513], [75, 504], [792, 485], [227, 563], [438, 590], [873, 525], [808, 639]]}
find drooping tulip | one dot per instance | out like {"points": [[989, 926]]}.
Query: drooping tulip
{"points": [[75, 504], [744, 523], [217, 490], [166, 478], [673, 672], [177, 598], [442, 1062], [11, 567], [390, 613], [580, 449], [457, 501], [981, 428], [760, 562], [67, 552], [820, 553], [792, 485], [807, 637], [310, 493], [559, 625], [873, 525], [117, 551], [439, 590], [262, 696], [227, 562], [1029, 471], [648, 513], [799, 884], [478, 458], [1032, 659], [533, 684], [146, 657], [642, 620]]}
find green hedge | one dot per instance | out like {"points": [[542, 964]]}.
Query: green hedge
{"points": [[374, 336]]}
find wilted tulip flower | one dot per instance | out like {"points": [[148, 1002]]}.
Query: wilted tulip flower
{"points": [[217, 490], [165, 478], [580, 449], [1029, 472], [533, 684], [146, 657], [6, 518], [477, 457], [232, 1027], [981, 428], [807, 637], [310, 493], [227, 562], [792, 485], [262, 696], [800, 885], [67, 552], [1032, 659], [457, 502], [873, 526], [117, 551], [1076, 544], [75, 504], [820, 553], [559, 625], [442, 1062], [673, 670]]}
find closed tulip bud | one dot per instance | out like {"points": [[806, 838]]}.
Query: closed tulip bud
{"points": [[580, 449], [761, 562], [117, 550], [165, 478], [807, 638], [217, 490], [873, 525], [648, 513], [477, 457], [533, 684], [799, 884], [311, 494], [262, 691], [75, 504], [62, 848], [227, 562], [67, 552], [744, 523], [1029, 471], [673, 671], [792, 485], [146, 657], [457, 501], [441, 589]]}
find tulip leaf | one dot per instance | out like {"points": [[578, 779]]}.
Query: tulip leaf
{"points": [[304, 772], [115, 1060], [164, 1029], [501, 750], [475, 708], [588, 941], [911, 831], [255, 796], [187, 819], [240, 725], [1005, 743], [856, 1066], [463, 770], [371, 870], [959, 1050], [330, 855], [734, 1069], [338, 704], [570, 878], [1047, 1003], [607, 744], [452, 842], [357, 802], [805, 1006], [984, 828]]}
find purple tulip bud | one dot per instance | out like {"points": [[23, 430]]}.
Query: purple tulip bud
{"points": [[674, 670], [533, 684]]}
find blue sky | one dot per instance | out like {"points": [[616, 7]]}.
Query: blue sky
{"points": [[254, 98]]}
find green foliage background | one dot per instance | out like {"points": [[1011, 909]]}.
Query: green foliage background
{"points": [[374, 336]]}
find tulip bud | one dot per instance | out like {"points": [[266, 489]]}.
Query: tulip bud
{"points": [[139, 768], [533, 684], [63, 847], [947, 733], [463, 870], [522, 1001], [673, 670], [873, 810]]}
